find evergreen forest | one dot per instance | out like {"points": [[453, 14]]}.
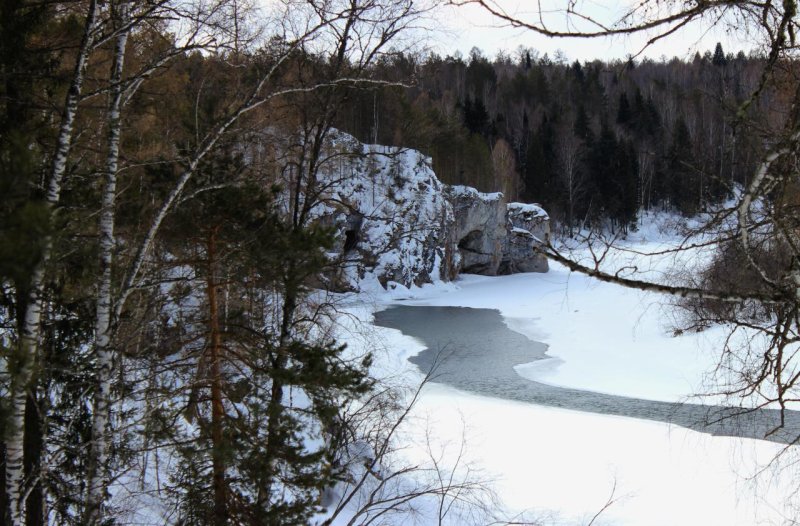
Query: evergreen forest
{"points": [[168, 350], [593, 142]]}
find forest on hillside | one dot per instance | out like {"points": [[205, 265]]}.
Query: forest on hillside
{"points": [[168, 351], [593, 142], [167, 356]]}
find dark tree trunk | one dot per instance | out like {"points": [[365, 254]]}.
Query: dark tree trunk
{"points": [[217, 408], [34, 505], [4, 520]]}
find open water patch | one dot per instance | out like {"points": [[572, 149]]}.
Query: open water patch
{"points": [[475, 351]]}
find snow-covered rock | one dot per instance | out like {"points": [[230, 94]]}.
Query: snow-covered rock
{"points": [[390, 216], [397, 224], [492, 237], [527, 225], [479, 229]]}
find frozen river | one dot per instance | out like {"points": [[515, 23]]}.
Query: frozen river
{"points": [[473, 350]]}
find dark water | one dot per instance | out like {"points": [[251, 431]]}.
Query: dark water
{"points": [[473, 350]]}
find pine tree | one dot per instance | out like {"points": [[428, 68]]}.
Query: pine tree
{"points": [[719, 59], [577, 72], [253, 376], [604, 166], [541, 183], [582, 126], [683, 181], [628, 179], [476, 118], [624, 113]]}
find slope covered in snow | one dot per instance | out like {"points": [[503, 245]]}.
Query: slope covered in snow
{"points": [[562, 466]]}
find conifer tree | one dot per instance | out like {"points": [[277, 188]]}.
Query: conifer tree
{"points": [[719, 59], [582, 127], [540, 180], [628, 179], [253, 380], [624, 113], [604, 166], [685, 193]]}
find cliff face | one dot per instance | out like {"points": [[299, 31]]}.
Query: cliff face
{"points": [[395, 222], [478, 230], [493, 237], [390, 216], [527, 225]]}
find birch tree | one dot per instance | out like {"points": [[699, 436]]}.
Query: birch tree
{"points": [[97, 479], [354, 34], [128, 48], [22, 363], [109, 308], [102, 24], [570, 153]]}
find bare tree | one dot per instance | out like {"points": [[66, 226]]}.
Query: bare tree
{"points": [[505, 170], [570, 153], [757, 238], [27, 352], [380, 484], [98, 447]]}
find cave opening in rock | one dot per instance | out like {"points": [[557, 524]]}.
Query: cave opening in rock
{"points": [[350, 240], [471, 242], [352, 229]]}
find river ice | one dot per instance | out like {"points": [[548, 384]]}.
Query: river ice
{"points": [[561, 464]]}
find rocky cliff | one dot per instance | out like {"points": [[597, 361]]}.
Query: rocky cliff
{"points": [[479, 229], [396, 223], [493, 237], [527, 225]]}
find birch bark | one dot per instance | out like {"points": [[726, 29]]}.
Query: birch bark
{"points": [[103, 351], [30, 333]]}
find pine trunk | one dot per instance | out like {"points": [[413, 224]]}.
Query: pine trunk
{"points": [[30, 332], [104, 354], [275, 407], [217, 408]]}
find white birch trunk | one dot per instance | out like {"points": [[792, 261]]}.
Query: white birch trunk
{"points": [[104, 354], [27, 349], [30, 333]]}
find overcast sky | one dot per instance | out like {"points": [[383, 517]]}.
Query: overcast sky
{"points": [[468, 26]]}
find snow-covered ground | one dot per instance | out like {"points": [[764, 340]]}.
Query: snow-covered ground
{"points": [[564, 465]]}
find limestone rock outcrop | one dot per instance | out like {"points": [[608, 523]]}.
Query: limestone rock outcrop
{"points": [[528, 225], [396, 224], [494, 237], [390, 216], [478, 230]]}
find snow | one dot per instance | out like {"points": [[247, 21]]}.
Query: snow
{"points": [[565, 465], [521, 231], [562, 466], [402, 205], [458, 190], [528, 208]]}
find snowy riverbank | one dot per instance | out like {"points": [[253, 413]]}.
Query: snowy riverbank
{"points": [[562, 465]]}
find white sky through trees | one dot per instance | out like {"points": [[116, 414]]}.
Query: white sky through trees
{"points": [[467, 26]]}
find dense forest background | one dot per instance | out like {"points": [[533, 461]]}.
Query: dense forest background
{"points": [[593, 142], [167, 351]]}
